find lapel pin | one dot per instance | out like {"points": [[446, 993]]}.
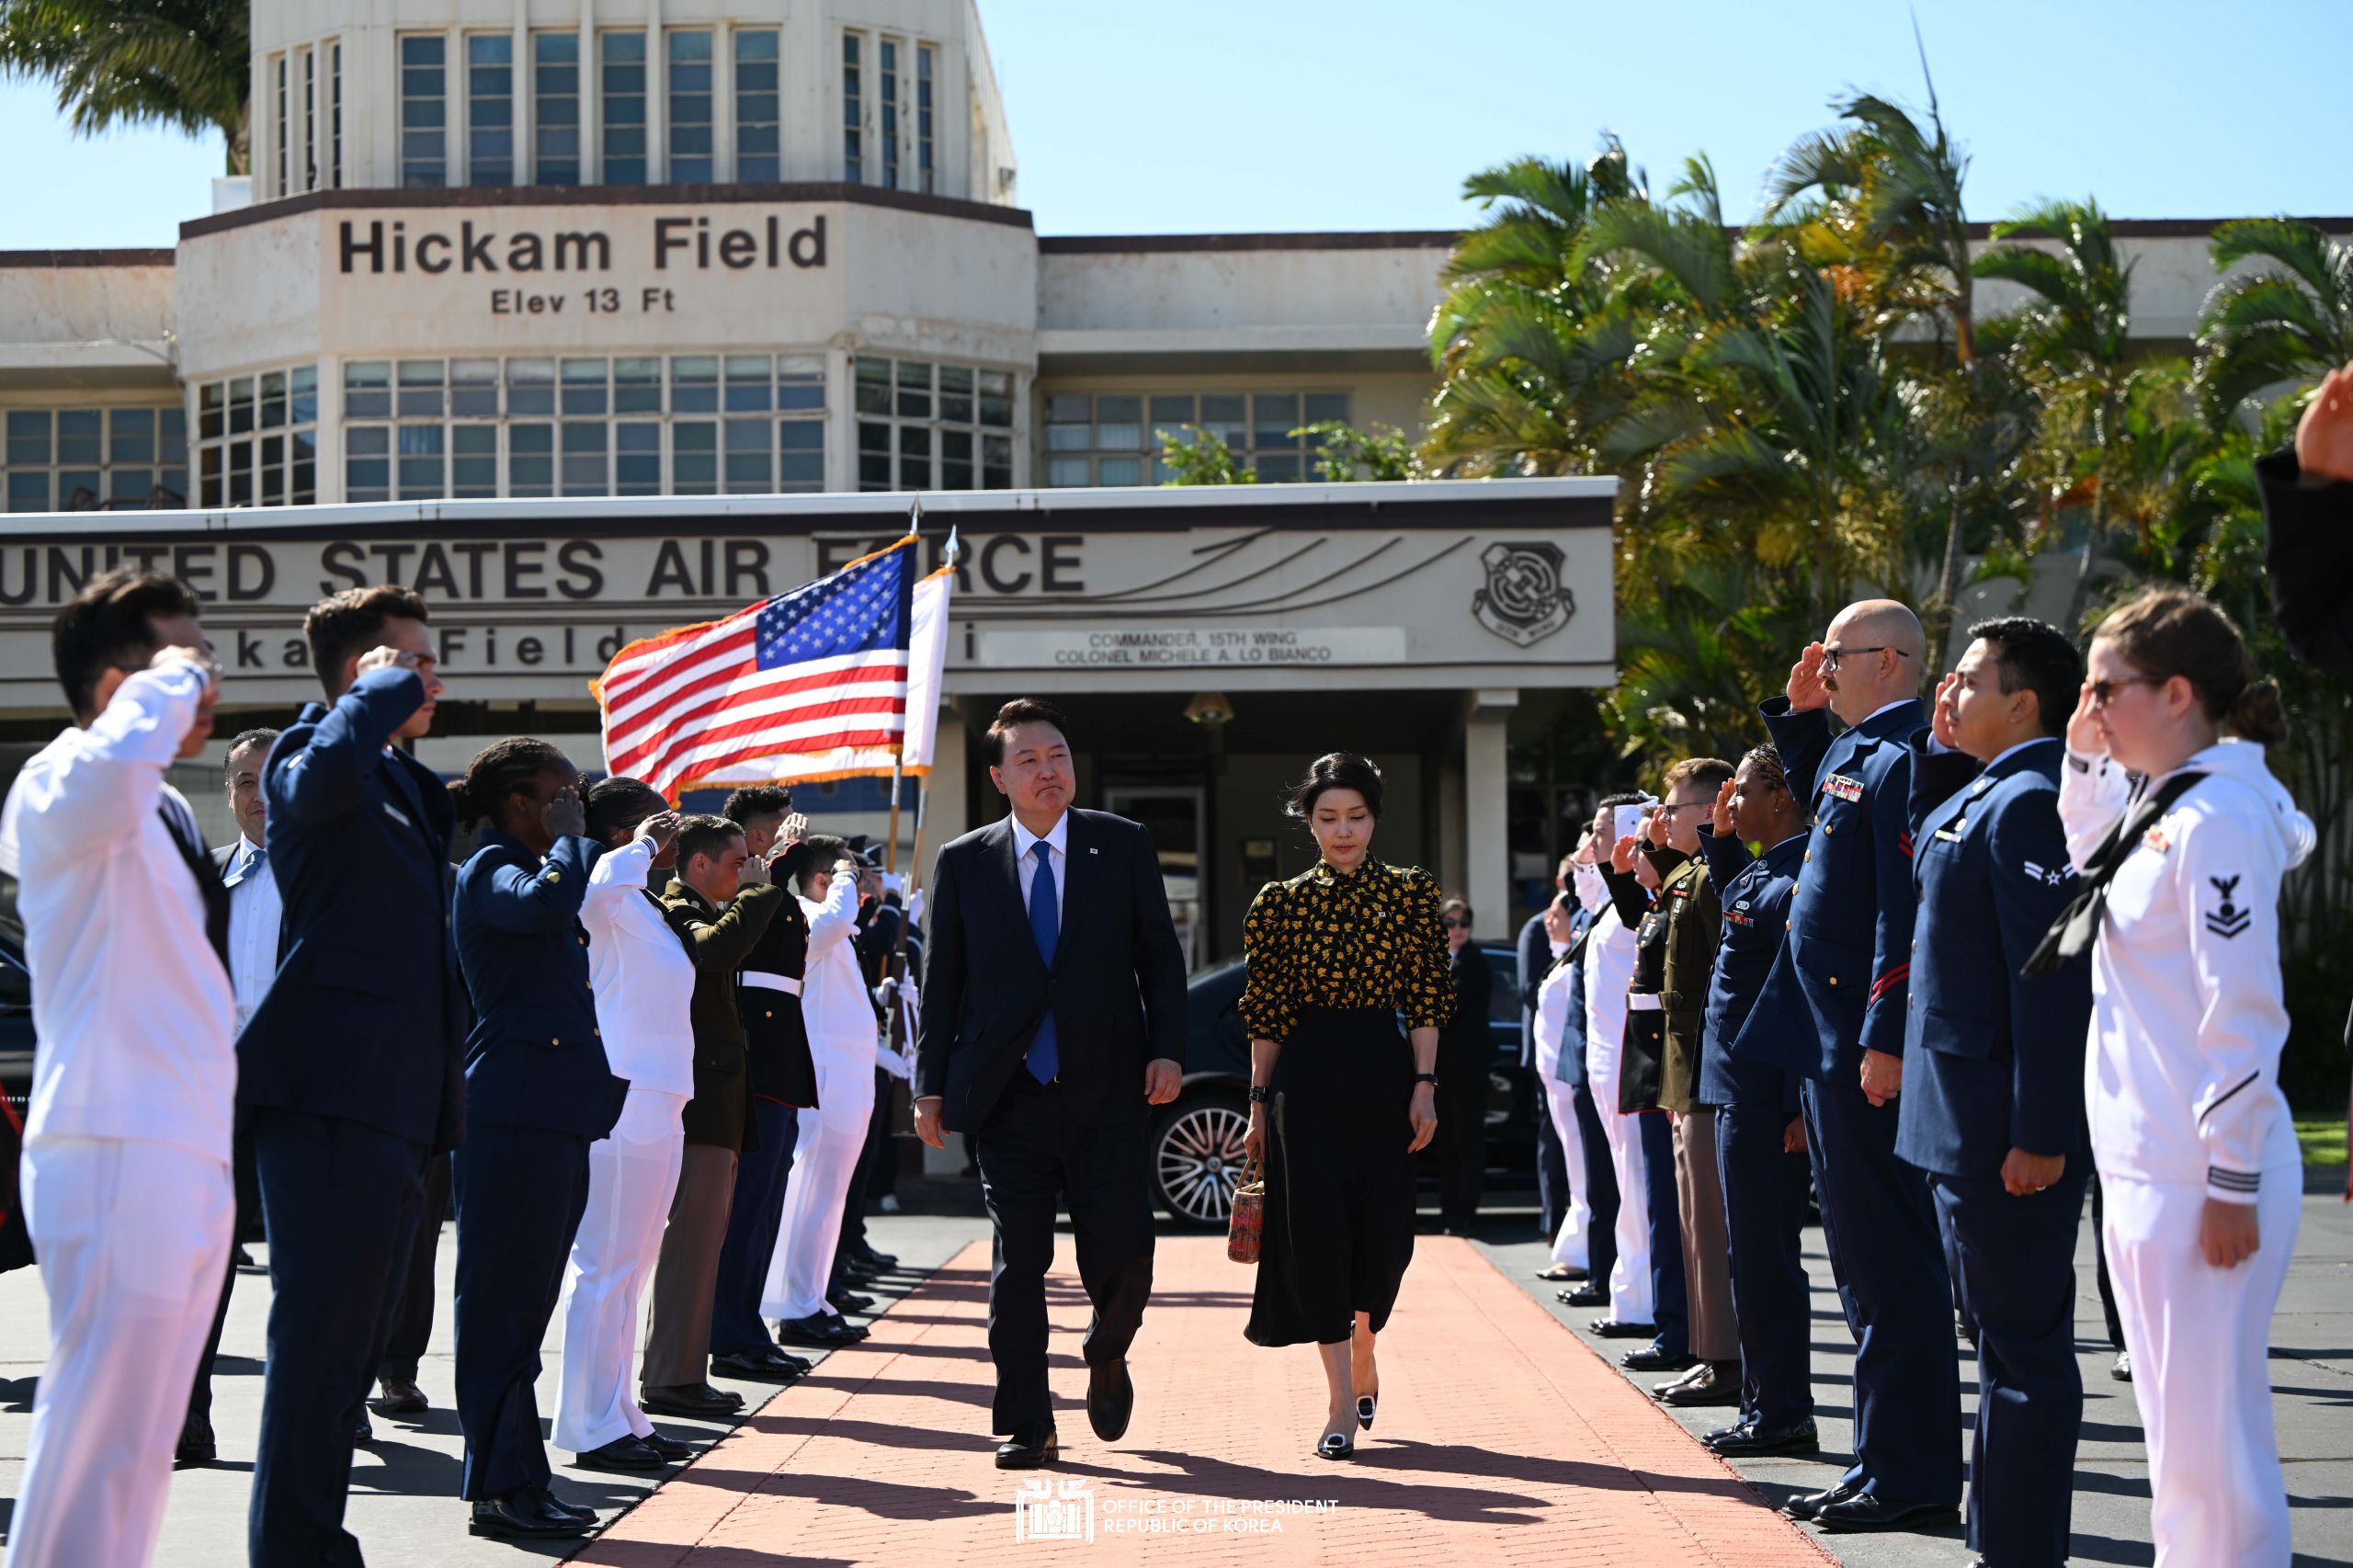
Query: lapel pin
{"points": [[1092, 850]]}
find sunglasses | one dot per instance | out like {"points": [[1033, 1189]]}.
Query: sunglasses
{"points": [[2107, 691], [1454, 924]]}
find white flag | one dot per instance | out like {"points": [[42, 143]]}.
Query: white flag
{"points": [[926, 658]]}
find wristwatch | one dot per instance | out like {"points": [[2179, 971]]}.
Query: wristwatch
{"points": [[1430, 1078], [1257, 1094]]}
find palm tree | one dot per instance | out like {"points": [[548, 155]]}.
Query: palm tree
{"points": [[2290, 321], [179, 62], [2071, 338]]}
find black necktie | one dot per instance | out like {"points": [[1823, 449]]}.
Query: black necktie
{"points": [[2071, 936]]}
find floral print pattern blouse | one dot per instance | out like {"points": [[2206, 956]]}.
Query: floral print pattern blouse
{"points": [[1366, 938]]}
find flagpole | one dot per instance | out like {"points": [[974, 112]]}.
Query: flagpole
{"points": [[898, 758]]}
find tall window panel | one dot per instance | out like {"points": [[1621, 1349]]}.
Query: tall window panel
{"points": [[556, 108], [926, 74], [853, 109], [82, 459], [425, 109], [281, 124], [622, 84], [256, 438], [689, 104], [489, 108], [310, 119], [335, 114], [887, 130], [1115, 438], [928, 426], [759, 143]]}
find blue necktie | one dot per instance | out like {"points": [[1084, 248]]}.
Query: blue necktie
{"points": [[1045, 922]]}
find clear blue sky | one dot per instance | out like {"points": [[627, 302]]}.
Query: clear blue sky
{"points": [[1366, 114]]}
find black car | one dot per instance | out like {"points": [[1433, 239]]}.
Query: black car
{"points": [[1197, 1139]]}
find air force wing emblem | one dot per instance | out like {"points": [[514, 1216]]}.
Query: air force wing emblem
{"points": [[1523, 600]]}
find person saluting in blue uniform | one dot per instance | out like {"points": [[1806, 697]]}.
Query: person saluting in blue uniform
{"points": [[1992, 1108], [1833, 1010]]}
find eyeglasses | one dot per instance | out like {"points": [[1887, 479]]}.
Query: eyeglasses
{"points": [[2105, 691], [1674, 806], [1833, 654]]}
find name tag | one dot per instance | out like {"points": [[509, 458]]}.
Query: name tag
{"points": [[1838, 787], [1952, 835], [396, 814]]}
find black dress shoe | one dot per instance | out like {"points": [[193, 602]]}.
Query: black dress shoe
{"points": [[1110, 1400], [696, 1402], [848, 1301], [822, 1330], [1812, 1503], [1873, 1513], [668, 1448], [1611, 1328], [628, 1456], [771, 1366], [549, 1499], [880, 1262], [1586, 1295], [365, 1432], [1711, 1383], [1651, 1358], [402, 1397], [195, 1445], [1756, 1442], [1030, 1447], [526, 1514]]}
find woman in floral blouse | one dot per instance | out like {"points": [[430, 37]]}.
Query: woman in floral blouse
{"points": [[1339, 1101]]}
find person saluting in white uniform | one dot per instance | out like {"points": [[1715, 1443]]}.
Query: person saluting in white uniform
{"points": [[2190, 1130]]}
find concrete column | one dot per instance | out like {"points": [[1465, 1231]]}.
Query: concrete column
{"points": [[1487, 824]]}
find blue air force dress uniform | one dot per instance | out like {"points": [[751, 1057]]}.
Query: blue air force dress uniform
{"points": [[1765, 1184], [1993, 1061], [539, 1091], [351, 1072], [1839, 988]]}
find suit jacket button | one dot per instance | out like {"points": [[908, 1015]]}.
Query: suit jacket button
{"points": [[767, 1015], [598, 1033], [556, 1041], [1833, 980]]}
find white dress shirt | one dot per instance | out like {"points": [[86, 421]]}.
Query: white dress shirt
{"points": [[642, 975], [132, 1007], [1056, 840], [834, 1007], [255, 912]]}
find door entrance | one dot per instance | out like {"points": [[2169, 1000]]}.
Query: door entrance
{"points": [[1177, 816]]}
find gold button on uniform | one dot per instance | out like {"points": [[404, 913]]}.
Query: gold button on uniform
{"points": [[1833, 980], [556, 1041]]}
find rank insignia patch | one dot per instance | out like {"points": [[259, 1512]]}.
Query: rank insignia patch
{"points": [[2227, 919]]}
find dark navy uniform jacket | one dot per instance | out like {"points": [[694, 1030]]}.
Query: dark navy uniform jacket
{"points": [[1996, 1060], [534, 1058], [366, 1020], [1838, 986], [1756, 891], [1572, 1068]]}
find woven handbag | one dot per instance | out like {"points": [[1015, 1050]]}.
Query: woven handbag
{"points": [[1248, 1222]]}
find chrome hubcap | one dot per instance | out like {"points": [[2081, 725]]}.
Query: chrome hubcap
{"points": [[1200, 1162]]}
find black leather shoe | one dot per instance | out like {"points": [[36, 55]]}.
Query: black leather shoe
{"points": [[696, 1402], [822, 1330], [848, 1301], [1711, 1383], [627, 1455], [668, 1448], [549, 1499], [1812, 1503], [880, 1262], [1659, 1391], [1610, 1328], [1651, 1358], [1030, 1447], [1110, 1400], [1586, 1295], [365, 1433], [1756, 1442], [1872, 1513], [402, 1397], [770, 1366], [196, 1443], [526, 1514]]}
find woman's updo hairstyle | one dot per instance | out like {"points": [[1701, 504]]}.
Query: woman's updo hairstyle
{"points": [[499, 771], [615, 806], [2172, 632], [1336, 771]]}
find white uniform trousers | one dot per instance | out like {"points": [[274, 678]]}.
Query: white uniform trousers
{"points": [[632, 1175], [825, 1154], [1630, 1277], [1569, 1246], [133, 1241], [2201, 1339]]}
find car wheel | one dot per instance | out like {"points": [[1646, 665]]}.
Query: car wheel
{"points": [[1197, 1158]]}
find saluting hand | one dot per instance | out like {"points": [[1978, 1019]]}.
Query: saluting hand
{"points": [[659, 829], [2085, 735], [1623, 858], [793, 829], [1655, 828], [385, 658], [1943, 721], [562, 816], [1806, 689], [2324, 434], [1722, 824]]}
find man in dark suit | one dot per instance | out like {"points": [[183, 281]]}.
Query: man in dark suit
{"points": [[350, 1071], [1535, 947], [2307, 520], [1466, 1055], [1992, 1107], [1052, 1016]]}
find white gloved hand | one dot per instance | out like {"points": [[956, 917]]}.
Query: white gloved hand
{"points": [[915, 907], [894, 1063]]}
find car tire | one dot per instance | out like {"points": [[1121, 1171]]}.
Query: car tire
{"points": [[1197, 1157]]}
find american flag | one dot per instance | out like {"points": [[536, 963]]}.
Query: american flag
{"points": [[811, 684]]}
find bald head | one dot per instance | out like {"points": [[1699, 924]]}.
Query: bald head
{"points": [[1882, 654]]}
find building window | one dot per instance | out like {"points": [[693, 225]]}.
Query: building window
{"points": [[622, 100], [82, 459], [489, 108], [739, 424], [1115, 438], [310, 119], [887, 134], [334, 116], [555, 106], [924, 426], [689, 101], [926, 61], [424, 110], [853, 112], [279, 124], [760, 144], [256, 440]]}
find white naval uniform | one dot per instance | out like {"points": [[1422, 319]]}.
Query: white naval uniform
{"points": [[1550, 1023], [127, 1190], [2182, 1083], [644, 980], [1609, 971], [839, 1018]]}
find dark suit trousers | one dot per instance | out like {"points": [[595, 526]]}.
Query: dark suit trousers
{"points": [[1601, 1181], [341, 1201], [413, 1307], [2100, 1272], [1670, 1307], [522, 1191], [753, 1219], [686, 1275], [2017, 1285], [1462, 1149], [1551, 1174], [1765, 1202], [1880, 1225], [1030, 1153]]}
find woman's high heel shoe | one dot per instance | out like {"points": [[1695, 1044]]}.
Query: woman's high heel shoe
{"points": [[1336, 1445], [1366, 1404]]}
